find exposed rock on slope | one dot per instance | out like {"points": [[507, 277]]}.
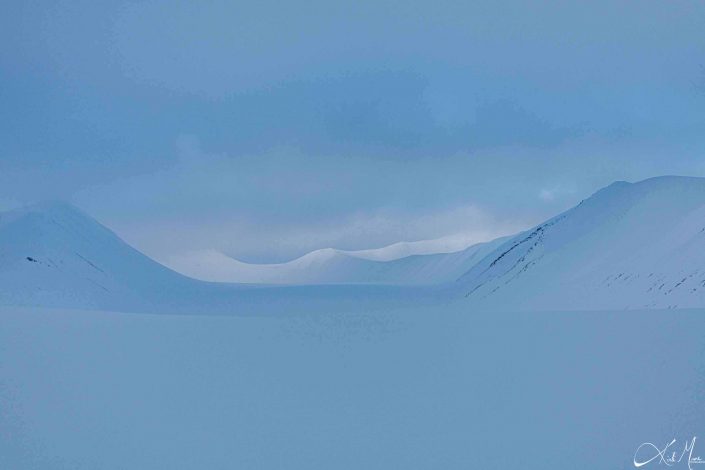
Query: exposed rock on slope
{"points": [[638, 245]]}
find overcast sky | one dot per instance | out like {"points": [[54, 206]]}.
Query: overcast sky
{"points": [[267, 129]]}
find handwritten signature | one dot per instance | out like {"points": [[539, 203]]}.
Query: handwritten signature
{"points": [[670, 454]]}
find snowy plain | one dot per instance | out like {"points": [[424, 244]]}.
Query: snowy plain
{"points": [[413, 388]]}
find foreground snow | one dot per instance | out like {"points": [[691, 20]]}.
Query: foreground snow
{"points": [[426, 388]]}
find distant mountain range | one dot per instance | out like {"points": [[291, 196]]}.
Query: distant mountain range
{"points": [[639, 245], [331, 266]]}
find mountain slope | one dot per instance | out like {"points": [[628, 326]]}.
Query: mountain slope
{"points": [[638, 245], [329, 266], [53, 254]]}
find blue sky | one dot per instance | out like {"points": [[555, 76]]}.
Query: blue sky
{"points": [[268, 129]]}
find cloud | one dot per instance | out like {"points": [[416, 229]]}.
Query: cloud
{"points": [[7, 204], [281, 204], [251, 238], [365, 124], [553, 193]]}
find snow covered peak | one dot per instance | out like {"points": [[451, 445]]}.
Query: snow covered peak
{"points": [[54, 254], [630, 245], [52, 216], [56, 207], [49, 208]]}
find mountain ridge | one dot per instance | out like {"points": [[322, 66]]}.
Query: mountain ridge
{"points": [[333, 266], [603, 253], [627, 246]]}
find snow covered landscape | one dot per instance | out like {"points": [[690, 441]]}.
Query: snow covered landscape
{"points": [[352, 235], [628, 246], [110, 360]]}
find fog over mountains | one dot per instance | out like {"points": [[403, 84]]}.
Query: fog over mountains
{"points": [[628, 246]]}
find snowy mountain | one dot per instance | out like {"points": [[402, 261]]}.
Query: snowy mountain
{"points": [[53, 254], [330, 266], [628, 246], [632, 246]]}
